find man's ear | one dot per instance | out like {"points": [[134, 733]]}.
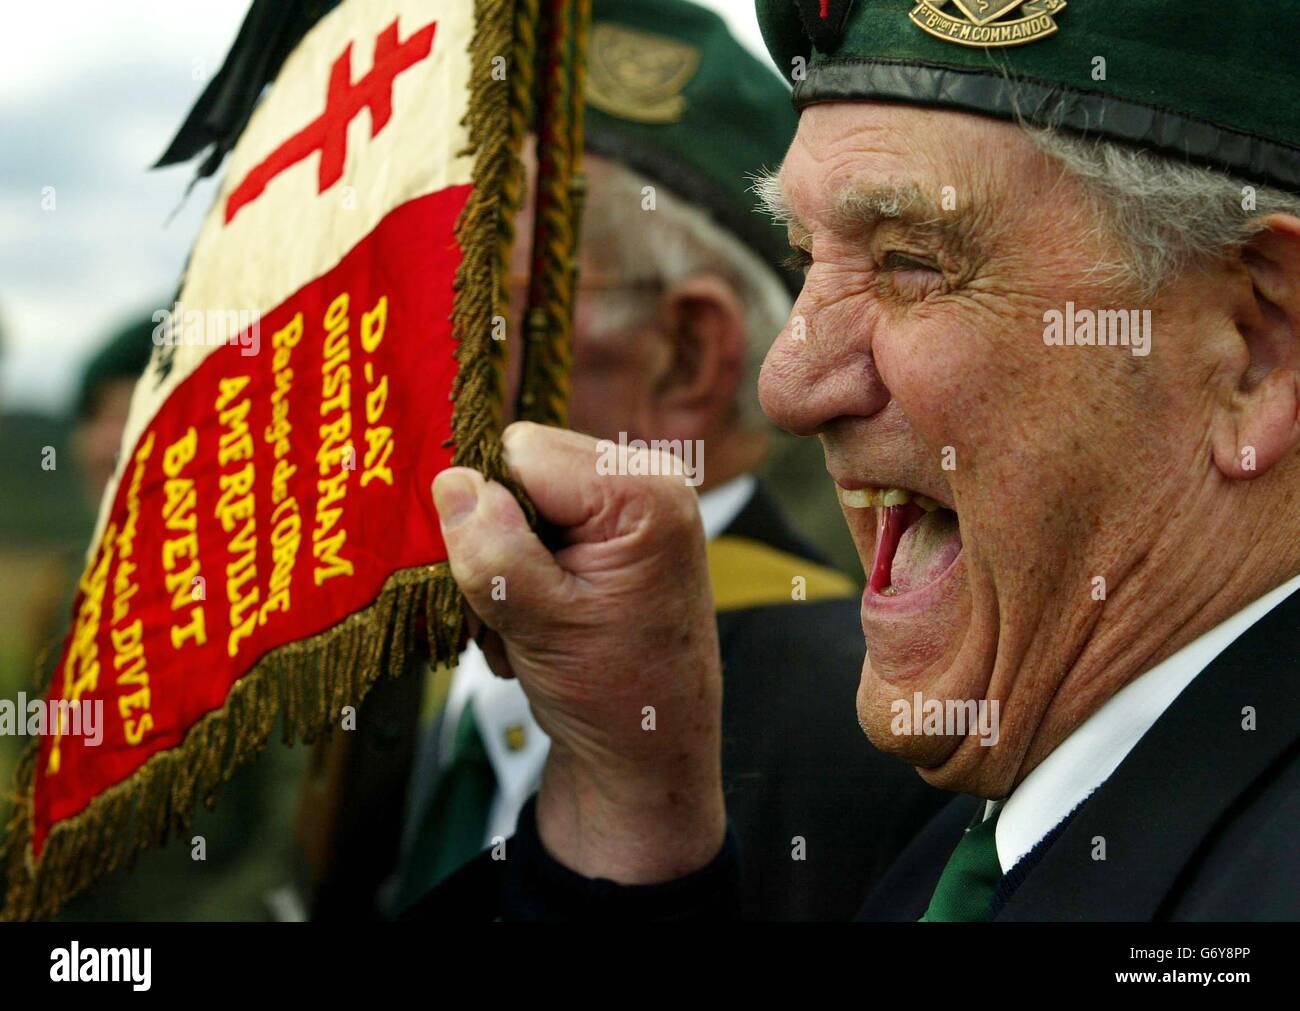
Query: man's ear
{"points": [[1262, 424], [705, 322]]}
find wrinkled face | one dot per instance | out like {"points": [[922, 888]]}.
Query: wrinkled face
{"points": [[988, 479]]}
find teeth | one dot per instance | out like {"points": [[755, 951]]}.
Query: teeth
{"points": [[865, 498], [857, 498]]}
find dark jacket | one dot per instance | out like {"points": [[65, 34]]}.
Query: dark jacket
{"points": [[1200, 823]]}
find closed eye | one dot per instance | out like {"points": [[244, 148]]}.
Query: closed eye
{"points": [[901, 261], [909, 276], [800, 261]]}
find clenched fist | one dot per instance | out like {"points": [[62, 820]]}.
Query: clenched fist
{"points": [[613, 638]]}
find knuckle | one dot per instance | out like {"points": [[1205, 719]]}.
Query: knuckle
{"points": [[680, 505]]}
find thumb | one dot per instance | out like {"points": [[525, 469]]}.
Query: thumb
{"points": [[501, 566]]}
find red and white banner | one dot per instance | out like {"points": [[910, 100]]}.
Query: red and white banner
{"points": [[276, 466]]}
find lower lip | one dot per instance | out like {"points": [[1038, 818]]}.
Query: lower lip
{"points": [[903, 604]]}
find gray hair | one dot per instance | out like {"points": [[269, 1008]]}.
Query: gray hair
{"points": [[1166, 213], [651, 251]]}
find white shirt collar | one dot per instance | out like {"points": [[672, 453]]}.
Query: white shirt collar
{"points": [[723, 504], [1086, 759], [516, 745]]}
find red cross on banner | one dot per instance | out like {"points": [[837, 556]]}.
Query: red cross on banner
{"points": [[328, 132]]}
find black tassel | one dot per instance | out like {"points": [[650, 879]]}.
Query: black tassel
{"points": [[270, 32]]}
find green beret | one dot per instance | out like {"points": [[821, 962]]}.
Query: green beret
{"points": [[1215, 83], [123, 356], [673, 96]]}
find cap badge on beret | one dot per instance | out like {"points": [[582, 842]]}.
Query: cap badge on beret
{"points": [[987, 23], [639, 76]]}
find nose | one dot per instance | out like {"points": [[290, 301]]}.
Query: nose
{"points": [[820, 367]]}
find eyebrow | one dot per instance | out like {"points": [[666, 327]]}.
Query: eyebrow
{"points": [[861, 207]]}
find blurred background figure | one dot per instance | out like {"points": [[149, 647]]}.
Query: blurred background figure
{"points": [[104, 400], [45, 522], [94, 436], [60, 467]]}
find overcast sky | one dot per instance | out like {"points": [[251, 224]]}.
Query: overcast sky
{"points": [[90, 94]]}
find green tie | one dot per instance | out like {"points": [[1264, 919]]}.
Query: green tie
{"points": [[970, 878], [455, 822]]}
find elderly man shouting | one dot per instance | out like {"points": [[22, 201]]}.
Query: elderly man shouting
{"points": [[1085, 531]]}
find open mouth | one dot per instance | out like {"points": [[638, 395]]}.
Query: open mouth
{"points": [[917, 539]]}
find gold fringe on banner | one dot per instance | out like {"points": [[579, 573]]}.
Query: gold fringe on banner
{"points": [[307, 683], [548, 319], [497, 119]]}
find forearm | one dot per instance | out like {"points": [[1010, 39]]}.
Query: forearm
{"points": [[633, 831]]}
